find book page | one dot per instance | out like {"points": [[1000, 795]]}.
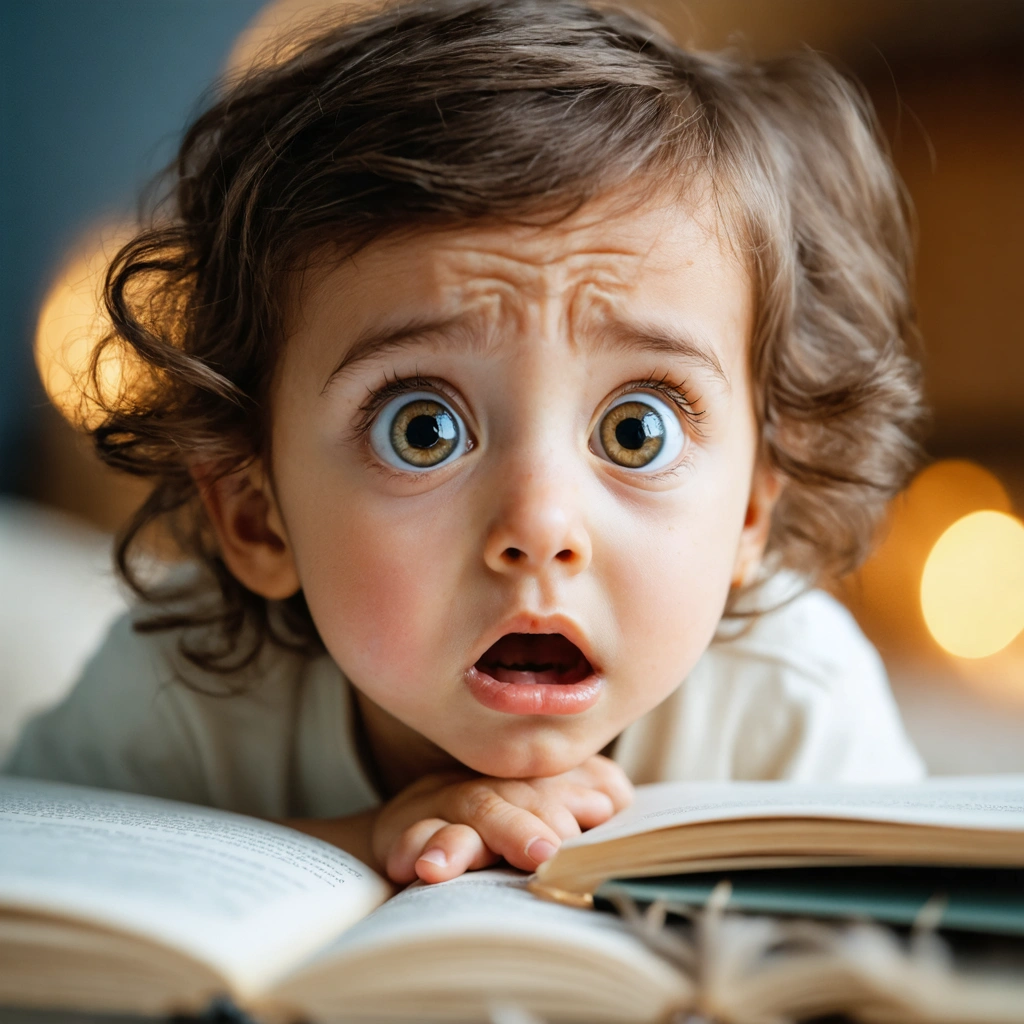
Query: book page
{"points": [[990, 802], [246, 896], [479, 935], [472, 903]]}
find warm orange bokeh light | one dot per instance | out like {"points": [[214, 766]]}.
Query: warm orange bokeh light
{"points": [[885, 593], [972, 587], [947, 491], [71, 323]]}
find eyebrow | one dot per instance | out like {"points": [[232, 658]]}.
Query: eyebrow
{"points": [[372, 343], [639, 336], [646, 337]]}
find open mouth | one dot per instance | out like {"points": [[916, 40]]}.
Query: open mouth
{"points": [[535, 658]]}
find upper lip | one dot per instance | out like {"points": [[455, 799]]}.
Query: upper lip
{"points": [[528, 622]]}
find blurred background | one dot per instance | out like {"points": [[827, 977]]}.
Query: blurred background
{"points": [[94, 95]]}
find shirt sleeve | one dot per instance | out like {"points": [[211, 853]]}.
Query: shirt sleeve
{"points": [[813, 701], [118, 728], [799, 693], [144, 720]]}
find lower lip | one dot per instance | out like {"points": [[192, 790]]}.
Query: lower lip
{"points": [[534, 698]]}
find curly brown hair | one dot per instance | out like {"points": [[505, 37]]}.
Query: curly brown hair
{"points": [[431, 113]]}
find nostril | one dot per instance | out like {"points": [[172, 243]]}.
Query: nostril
{"points": [[513, 554], [565, 555]]}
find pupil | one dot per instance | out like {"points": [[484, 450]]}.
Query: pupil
{"points": [[422, 432], [630, 434]]}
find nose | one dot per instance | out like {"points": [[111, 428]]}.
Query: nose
{"points": [[539, 528]]}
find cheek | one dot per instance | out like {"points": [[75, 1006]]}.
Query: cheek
{"points": [[670, 583], [378, 587]]}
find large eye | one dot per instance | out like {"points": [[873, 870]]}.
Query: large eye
{"points": [[639, 431], [417, 431]]}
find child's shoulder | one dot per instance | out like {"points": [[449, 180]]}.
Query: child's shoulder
{"points": [[804, 630], [805, 653], [143, 718], [795, 692], [115, 711]]}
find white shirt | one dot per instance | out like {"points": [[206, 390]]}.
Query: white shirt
{"points": [[799, 694]]}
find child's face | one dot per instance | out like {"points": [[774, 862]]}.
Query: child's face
{"points": [[504, 430]]}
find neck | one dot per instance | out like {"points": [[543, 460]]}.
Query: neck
{"points": [[397, 755]]}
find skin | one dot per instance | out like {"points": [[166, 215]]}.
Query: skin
{"points": [[411, 576]]}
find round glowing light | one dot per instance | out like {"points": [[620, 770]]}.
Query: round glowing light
{"points": [[884, 593], [972, 587], [71, 323]]}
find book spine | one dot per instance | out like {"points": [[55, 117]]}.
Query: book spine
{"points": [[585, 900]]}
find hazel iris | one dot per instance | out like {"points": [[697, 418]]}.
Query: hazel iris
{"points": [[632, 434], [424, 433]]}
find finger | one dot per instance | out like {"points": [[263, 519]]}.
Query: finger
{"points": [[400, 862], [557, 816], [546, 802], [605, 775], [588, 806], [451, 851], [559, 804], [518, 835]]}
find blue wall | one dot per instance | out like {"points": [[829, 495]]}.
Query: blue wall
{"points": [[93, 97]]}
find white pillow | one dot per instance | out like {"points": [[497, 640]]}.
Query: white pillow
{"points": [[58, 596]]}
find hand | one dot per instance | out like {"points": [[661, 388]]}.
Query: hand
{"points": [[443, 825]]}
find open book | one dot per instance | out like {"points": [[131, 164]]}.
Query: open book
{"points": [[122, 903], [685, 828]]}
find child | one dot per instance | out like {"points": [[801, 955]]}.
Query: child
{"points": [[489, 359]]}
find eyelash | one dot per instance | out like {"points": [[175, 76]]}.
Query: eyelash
{"points": [[677, 392], [390, 389]]}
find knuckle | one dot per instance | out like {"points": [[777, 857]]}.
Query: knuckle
{"points": [[480, 802], [510, 829], [551, 810], [525, 794]]}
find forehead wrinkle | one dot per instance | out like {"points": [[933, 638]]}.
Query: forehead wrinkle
{"points": [[530, 271], [546, 293], [546, 247]]}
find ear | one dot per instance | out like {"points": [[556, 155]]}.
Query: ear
{"points": [[765, 488], [253, 542]]}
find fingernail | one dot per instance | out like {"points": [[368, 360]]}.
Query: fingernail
{"points": [[540, 850], [435, 856]]}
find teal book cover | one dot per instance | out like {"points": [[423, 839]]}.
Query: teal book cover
{"points": [[967, 899]]}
